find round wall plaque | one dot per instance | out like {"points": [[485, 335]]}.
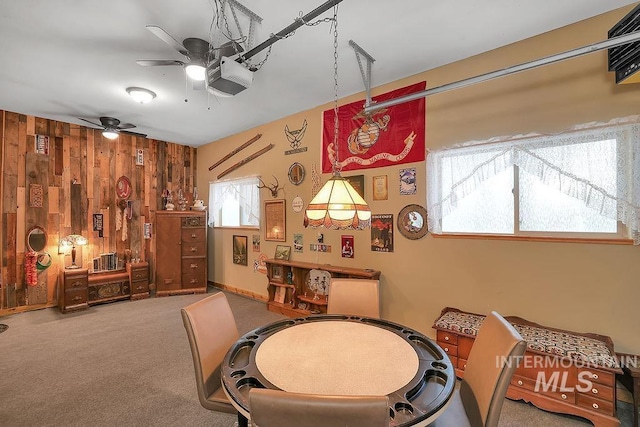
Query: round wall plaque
{"points": [[296, 173], [297, 204], [412, 222], [123, 187]]}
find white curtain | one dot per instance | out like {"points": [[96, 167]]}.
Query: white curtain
{"points": [[558, 161], [244, 194]]}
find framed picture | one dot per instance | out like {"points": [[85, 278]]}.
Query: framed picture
{"points": [[382, 233], [380, 189], [357, 182], [283, 252], [256, 242], [275, 221], [280, 294], [240, 250], [297, 243], [347, 246], [276, 273], [408, 181]]}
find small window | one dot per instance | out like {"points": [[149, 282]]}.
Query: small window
{"points": [[579, 184], [235, 203]]}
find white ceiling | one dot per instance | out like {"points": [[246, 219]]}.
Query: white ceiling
{"points": [[65, 59]]}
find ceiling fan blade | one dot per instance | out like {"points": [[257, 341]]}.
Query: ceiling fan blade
{"points": [[126, 126], [126, 132], [89, 121], [165, 37], [155, 62]]}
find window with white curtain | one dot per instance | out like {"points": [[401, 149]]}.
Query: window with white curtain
{"points": [[581, 183], [235, 203]]}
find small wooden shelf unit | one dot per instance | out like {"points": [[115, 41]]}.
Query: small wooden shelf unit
{"points": [[299, 300]]}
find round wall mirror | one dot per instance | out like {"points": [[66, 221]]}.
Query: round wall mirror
{"points": [[36, 239]]}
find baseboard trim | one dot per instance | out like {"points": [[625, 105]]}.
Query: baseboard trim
{"points": [[238, 291]]}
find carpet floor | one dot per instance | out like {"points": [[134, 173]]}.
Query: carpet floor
{"points": [[128, 363]]}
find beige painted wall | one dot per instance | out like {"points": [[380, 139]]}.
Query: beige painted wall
{"points": [[581, 287]]}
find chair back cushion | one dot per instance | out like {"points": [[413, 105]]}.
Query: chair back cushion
{"points": [[212, 330], [360, 297], [493, 358], [276, 408]]}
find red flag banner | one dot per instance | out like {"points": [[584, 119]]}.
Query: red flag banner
{"points": [[386, 137]]}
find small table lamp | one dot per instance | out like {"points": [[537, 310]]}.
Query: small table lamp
{"points": [[73, 240]]}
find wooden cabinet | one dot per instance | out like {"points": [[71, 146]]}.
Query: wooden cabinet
{"points": [[139, 279], [290, 290], [559, 383], [181, 252], [107, 286], [72, 292]]}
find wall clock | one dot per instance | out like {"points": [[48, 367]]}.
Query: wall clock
{"points": [[412, 222]]}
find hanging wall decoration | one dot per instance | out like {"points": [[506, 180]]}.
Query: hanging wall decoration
{"points": [[297, 204], [98, 221], [382, 233], [380, 188], [296, 173], [408, 181], [347, 246], [297, 243], [412, 222], [36, 195], [295, 138], [255, 238], [386, 137]]}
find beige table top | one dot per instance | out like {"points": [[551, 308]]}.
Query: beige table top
{"points": [[337, 358]]}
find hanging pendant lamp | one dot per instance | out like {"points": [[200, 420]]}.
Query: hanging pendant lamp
{"points": [[337, 205]]}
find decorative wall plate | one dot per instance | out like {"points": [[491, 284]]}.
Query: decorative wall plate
{"points": [[296, 173], [297, 204], [123, 187], [412, 222]]}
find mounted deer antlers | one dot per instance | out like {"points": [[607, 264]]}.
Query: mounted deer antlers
{"points": [[274, 188]]}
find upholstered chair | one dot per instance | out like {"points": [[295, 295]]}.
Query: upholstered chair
{"points": [[359, 297], [493, 358], [276, 408], [212, 330]]}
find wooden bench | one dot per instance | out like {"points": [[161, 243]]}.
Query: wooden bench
{"points": [[561, 371]]}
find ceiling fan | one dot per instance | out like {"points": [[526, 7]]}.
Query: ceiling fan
{"points": [[112, 127], [214, 66]]}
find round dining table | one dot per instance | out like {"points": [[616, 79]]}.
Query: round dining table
{"points": [[343, 355]]}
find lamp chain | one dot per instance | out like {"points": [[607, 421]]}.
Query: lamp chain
{"points": [[336, 163]]}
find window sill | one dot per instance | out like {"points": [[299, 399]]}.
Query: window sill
{"points": [[618, 241]]}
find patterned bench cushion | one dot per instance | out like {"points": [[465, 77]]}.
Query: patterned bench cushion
{"points": [[585, 350]]}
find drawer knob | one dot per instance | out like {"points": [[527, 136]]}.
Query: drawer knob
{"points": [[595, 376], [194, 265], [465, 366], [194, 280], [563, 396], [519, 382], [594, 390], [595, 406], [139, 288], [193, 236], [446, 349], [446, 338], [77, 298], [193, 249]]}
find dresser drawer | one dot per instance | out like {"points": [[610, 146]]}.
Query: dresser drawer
{"points": [[464, 346], [140, 286], [462, 363], [193, 248], [75, 282], [451, 350], [597, 376], [553, 390], [193, 235], [75, 297], [598, 390], [194, 279], [139, 274], [448, 337], [594, 404]]}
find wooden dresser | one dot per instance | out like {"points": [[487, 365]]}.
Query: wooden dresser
{"points": [[561, 371], [138, 279], [72, 292], [181, 252]]}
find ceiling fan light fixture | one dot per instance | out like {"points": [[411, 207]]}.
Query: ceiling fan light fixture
{"points": [[109, 134], [141, 95], [196, 71]]}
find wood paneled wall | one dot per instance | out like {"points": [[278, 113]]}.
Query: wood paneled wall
{"points": [[78, 177]]}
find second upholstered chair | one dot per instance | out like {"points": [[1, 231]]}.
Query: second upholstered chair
{"points": [[212, 330], [360, 297], [492, 360], [276, 408]]}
